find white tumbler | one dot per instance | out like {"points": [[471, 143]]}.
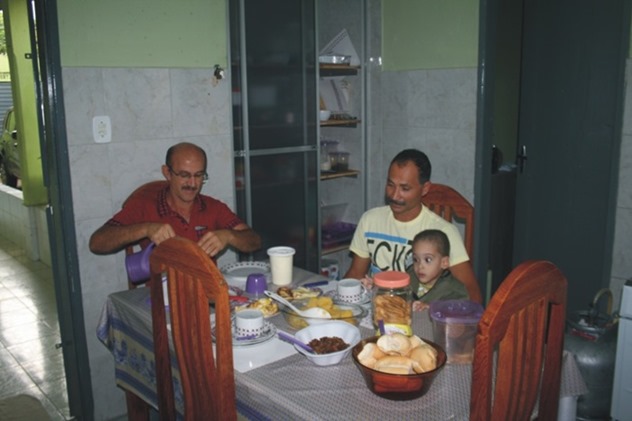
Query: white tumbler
{"points": [[281, 263]]}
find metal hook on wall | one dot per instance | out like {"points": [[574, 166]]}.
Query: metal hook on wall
{"points": [[218, 74]]}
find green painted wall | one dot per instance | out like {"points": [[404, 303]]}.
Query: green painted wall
{"points": [[429, 34], [143, 33], [22, 82]]}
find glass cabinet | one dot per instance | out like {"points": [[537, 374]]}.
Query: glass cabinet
{"points": [[278, 77], [274, 121]]}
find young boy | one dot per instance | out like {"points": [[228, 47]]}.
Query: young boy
{"points": [[430, 278]]}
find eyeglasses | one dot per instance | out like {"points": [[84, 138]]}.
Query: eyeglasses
{"points": [[187, 175]]}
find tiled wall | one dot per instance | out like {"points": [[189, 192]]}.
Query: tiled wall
{"points": [[150, 109], [431, 110], [25, 226]]}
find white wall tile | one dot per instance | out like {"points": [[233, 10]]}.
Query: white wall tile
{"points": [[138, 102]]}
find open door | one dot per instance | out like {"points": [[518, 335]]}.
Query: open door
{"points": [[571, 109], [60, 218], [551, 96]]}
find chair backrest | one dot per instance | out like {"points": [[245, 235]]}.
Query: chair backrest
{"points": [[524, 325], [194, 282], [150, 190], [451, 205]]}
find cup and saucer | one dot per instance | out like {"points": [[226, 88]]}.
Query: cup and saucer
{"points": [[350, 291], [249, 328]]}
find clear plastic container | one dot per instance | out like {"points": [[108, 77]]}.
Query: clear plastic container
{"points": [[326, 148], [392, 302], [454, 324], [339, 161]]}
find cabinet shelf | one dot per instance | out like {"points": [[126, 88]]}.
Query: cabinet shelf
{"points": [[340, 123], [337, 70], [339, 174], [335, 249]]}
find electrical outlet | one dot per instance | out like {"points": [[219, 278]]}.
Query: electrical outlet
{"points": [[101, 129]]}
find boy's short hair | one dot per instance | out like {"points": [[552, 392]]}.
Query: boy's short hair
{"points": [[436, 237]]}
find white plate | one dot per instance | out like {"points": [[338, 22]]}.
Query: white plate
{"points": [[269, 332], [366, 298], [237, 273]]}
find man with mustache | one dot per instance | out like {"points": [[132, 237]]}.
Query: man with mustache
{"points": [[177, 209], [383, 239]]}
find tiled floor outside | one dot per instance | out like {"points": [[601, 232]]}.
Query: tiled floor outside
{"points": [[29, 362]]}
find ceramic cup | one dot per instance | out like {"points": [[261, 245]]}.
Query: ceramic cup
{"points": [[256, 284], [248, 323], [350, 290], [281, 262]]}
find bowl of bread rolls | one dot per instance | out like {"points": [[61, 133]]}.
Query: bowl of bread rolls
{"points": [[397, 366]]}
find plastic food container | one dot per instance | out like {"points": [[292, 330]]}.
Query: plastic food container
{"points": [[392, 302], [454, 325], [339, 161], [335, 59]]}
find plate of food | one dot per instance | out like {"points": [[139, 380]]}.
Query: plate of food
{"points": [[267, 306], [237, 273], [299, 292], [269, 331]]}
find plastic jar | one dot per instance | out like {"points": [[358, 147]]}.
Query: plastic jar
{"points": [[392, 302]]}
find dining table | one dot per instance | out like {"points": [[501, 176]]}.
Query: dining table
{"points": [[273, 381]]}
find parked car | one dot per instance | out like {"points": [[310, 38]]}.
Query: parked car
{"points": [[9, 155]]}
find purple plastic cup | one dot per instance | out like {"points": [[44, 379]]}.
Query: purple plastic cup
{"points": [[256, 284], [137, 265]]}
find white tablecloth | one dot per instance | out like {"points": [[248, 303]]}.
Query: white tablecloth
{"points": [[291, 387]]}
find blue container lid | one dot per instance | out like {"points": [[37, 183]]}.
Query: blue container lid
{"points": [[456, 311]]}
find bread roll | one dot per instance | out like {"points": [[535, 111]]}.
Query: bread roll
{"points": [[394, 364], [394, 344], [370, 354], [415, 341], [424, 358]]}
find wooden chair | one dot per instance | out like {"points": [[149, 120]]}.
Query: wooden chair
{"points": [[194, 282], [524, 325], [450, 205], [453, 207], [150, 190]]}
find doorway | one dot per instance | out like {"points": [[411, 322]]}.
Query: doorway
{"points": [[41, 54], [570, 85]]}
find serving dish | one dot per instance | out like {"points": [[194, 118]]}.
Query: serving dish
{"points": [[345, 331], [398, 386], [349, 313]]}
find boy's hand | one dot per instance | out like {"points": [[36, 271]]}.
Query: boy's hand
{"points": [[419, 306], [367, 282]]}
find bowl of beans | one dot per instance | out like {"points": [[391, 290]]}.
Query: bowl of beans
{"points": [[331, 341]]}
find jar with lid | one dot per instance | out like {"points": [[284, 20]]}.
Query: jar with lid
{"points": [[392, 302]]}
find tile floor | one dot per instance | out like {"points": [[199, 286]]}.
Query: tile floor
{"points": [[29, 330]]}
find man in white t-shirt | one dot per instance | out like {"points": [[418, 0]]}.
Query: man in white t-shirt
{"points": [[383, 238]]}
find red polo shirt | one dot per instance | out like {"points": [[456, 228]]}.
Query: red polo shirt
{"points": [[207, 214]]}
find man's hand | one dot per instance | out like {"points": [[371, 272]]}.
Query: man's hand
{"points": [[158, 233], [214, 242]]}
